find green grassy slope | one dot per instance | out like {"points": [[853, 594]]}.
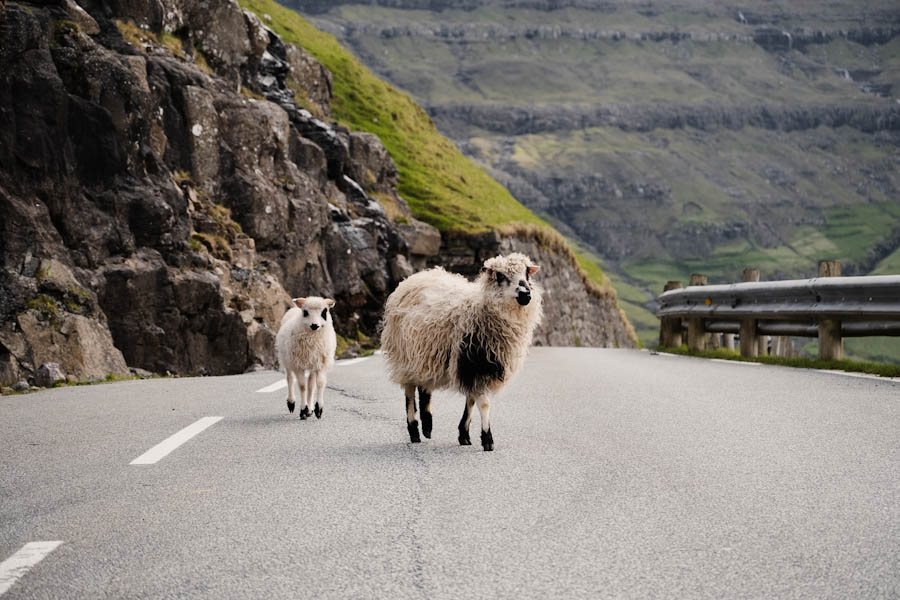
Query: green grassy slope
{"points": [[441, 185]]}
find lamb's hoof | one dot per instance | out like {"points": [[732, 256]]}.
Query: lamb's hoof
{"points": [[304, 413], [487, 441], [465, 441], [426, 425], [413, 429], [319, 411], [290, 406]]}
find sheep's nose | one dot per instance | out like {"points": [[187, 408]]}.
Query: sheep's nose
{"points": [[314, 326], [523, 298]]}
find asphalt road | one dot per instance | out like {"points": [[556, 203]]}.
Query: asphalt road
{"points": [[616, 474]]}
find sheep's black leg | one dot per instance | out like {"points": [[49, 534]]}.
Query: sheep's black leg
{"points": [[411, 424], [464, 439], [425, 410], [487, 440], [290, 385]]}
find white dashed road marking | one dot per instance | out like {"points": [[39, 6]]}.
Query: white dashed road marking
{"points": [[736, 362], [160, 450], [282, 383], [13, 568]]}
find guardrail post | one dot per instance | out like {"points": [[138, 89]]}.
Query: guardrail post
{"points": [[696, 330], [749, 337], [670, 327], [831, 345]]}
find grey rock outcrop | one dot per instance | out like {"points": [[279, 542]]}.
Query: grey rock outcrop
{"points": [[158, 216]]}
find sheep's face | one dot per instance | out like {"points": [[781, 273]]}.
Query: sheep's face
{"points": [[508, 278], [316, 313]]}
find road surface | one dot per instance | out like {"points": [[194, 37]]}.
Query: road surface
{"points": [[616, 474]]}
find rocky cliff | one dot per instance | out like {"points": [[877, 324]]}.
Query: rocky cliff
{"points": [[158, 212], [171, 175]]}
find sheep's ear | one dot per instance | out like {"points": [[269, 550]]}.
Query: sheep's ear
{"points": [[329, 302], [533, 269], [298, 302]]}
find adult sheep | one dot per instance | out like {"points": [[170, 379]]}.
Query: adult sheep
{"points": [[305, 344], [441, 331]]}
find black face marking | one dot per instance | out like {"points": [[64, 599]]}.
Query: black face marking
{"points": [[477, 364], [324, 313], [305, 313], [501, 279]]}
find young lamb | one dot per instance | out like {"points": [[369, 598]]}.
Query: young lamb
{"points": [[305, 344], [442, 331]]}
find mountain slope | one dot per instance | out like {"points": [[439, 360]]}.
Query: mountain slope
{"points": [[671, 137]]}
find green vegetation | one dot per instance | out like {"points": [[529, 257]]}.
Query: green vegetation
{"points": [[805, 363], [216, 245], [441, 186], [43, 304]]}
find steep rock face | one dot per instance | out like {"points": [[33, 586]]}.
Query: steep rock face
{"points": [[158, 213], [574, 314]]}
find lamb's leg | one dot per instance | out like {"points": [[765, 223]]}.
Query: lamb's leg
{"points": [[412, 425], [305, 394], [290, 385], [321, 380], [464, 422], [425, 410], [487, 440]]}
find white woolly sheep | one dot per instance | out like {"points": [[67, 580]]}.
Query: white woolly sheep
{"points": [[305, 344], [441, 331]]}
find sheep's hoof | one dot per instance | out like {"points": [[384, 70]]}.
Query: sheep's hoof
{"points": [[487, 441], [426, 424], [465, 441], [413, 429], [290, 406], [304, 413], [319, 411]]}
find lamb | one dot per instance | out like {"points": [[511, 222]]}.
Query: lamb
{"points": [[441, 331], [305, 345]]}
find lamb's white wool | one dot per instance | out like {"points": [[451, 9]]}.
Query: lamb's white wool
{"points": [[305, 345], [442, 331]]}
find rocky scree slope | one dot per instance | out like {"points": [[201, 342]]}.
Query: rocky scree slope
{"points": [[157, 212]]}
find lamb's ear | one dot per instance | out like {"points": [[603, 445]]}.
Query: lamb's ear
{"points": [[329, 302], [533, 269], [298, 302]]}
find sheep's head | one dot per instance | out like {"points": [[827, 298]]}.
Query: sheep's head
{"points": [[316, 312], [509, 277]]}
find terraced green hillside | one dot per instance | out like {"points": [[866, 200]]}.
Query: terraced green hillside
{"points": [[667, 138]]}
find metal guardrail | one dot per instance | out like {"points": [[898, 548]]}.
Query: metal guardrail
{"points": [[830, 308]]}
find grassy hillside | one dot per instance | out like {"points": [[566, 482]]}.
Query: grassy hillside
{"points": [[441, 185]]}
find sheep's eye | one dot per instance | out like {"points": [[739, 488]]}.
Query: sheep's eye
{"points": [[305, 313], [325, 313], [501, 279]]}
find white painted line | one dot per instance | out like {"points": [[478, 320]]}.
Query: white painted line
{"points": [[860, 375], [351, 361], [736, 362], [160, 450], [13, 568], [281, 383]]}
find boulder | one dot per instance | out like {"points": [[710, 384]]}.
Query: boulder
{"points": [[48, 374]]}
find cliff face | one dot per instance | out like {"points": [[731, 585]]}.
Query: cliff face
{"points": [[170, 176], [157, 212]]}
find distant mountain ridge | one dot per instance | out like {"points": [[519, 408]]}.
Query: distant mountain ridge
{"points": [[668, 137]]}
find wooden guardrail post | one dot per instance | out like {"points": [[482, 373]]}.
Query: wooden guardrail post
{"points": [[670, 327], [696, 331], [749, 336], [831, 345]]}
